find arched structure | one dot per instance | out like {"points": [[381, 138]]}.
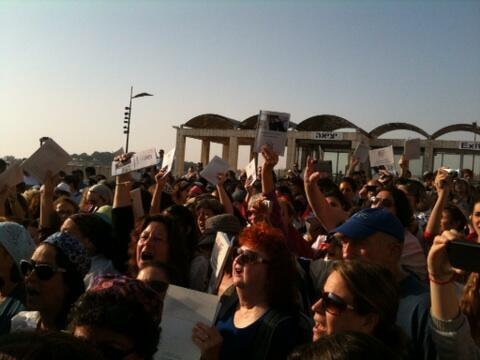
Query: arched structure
{"points": [[385, 128], [327, 123], [211, 121], [322, 134], [456, 127]]}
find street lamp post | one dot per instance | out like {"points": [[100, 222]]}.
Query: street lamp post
{"points": [[128, 115]]}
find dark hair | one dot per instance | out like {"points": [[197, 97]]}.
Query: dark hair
{"points": [[351, 182], [280, 286], [347, 345], [403, 210], [211, 204], [185, 222], [73, 282], [457, 217], [177, 254], [41, 345], [336, 193], [126, 315], [374, 291], [97, 231]]}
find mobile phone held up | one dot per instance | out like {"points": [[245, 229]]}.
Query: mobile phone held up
{"points": [[464, 255]]}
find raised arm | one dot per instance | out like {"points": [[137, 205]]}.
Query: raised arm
{"points": [[404, 166], [320, 207], [451, 331], [222, 194], [442, 184], [46, 201], [121, 197], [160, 181], [271, 159], [354, 161]]}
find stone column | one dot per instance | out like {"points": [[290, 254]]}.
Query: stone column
{"points": [[291, 150], [180, 153], [233, 152], [428, 156], [225, 151], [205, 155]]}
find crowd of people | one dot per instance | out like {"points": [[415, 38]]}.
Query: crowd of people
{"points": [[320, 269]]}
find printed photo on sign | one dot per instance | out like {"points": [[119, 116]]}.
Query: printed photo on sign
{"points": [[272, 131]]}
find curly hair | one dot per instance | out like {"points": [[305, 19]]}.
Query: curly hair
{"points": [[280, 285], [109, 309]]}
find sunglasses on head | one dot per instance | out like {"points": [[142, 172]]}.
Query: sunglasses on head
{"points": [[333, 304], [386, 203], [247, 257], [43, 271]]}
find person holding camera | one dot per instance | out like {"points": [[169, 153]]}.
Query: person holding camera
{"points": [[451, 331]]}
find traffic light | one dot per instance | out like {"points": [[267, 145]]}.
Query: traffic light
{"points": [[126, 121]]}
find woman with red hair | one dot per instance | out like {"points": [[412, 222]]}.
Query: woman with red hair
{"points": [[260, 318]]}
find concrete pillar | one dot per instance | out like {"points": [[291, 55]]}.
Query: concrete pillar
{"points": [[225, 151], [428, 156], [180, 153], [253, 155], [205, 155], [291, 150], [233, 152], [303, 156]]}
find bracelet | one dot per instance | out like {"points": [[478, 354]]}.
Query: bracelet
{"points": [[441, 282]]}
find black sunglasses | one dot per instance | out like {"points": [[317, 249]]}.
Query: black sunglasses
{"points": [[43, 271], [247, 257], [333, 304]]}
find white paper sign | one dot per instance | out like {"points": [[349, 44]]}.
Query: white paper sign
{"points": [[251, 171], [412, 149], [220, 252], [382, 156], [168, 159], [138, 161], [182, 309], [272, 130], [137, 206], [50, 156], [213, 168], [361, 152], [12, 175]]}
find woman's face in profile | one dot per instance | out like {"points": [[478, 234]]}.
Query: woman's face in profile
{"points": [[335, 312]]}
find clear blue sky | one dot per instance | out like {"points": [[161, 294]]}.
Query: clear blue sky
{"points": [[66, 66]]}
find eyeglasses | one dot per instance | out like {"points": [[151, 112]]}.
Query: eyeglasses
{"points": [[43, 271], [157, 285], [381, 202], [333, 304], [247, 257]]}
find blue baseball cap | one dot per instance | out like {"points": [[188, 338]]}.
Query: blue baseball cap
{"points": [[369, 221]]}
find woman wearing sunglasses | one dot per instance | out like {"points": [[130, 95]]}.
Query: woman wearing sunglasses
{"points": [[359, 296], [260, 319], [395, 201], [53, 281]]}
